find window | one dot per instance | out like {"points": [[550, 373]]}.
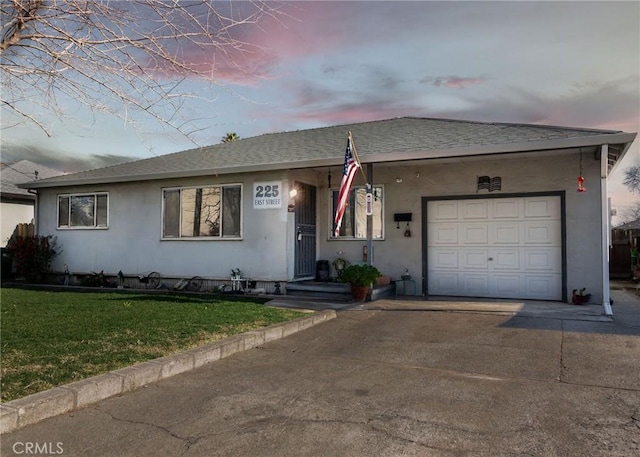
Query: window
{"points": [[196, 212], [354, 221], [83, 210]]}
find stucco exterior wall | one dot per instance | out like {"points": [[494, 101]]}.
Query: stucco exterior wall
{"points": [[553, 172], [132, 243]]}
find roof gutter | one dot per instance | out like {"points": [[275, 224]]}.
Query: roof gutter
{"points": [[470, 151]]}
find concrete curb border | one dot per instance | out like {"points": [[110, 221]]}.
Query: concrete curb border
{"points": [[33, 408]]}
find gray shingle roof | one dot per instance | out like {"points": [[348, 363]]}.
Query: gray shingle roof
{"points": [[404, 138], [21, 172], [633, 225]]}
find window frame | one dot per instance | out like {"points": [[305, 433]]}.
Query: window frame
{"points": [[220, 237], [332, 214], [95, 225]]}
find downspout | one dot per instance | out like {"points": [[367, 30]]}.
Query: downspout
{"points": [[35, 210], [604, 239]]}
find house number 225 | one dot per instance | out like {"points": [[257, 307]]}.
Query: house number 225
{"points": [[266, 195], [267, 191]]}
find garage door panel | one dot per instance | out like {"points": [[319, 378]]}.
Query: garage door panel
{"points": [[508, 285], [476, 285], [541, 287], [443, 211], [541, 259], [505, 233], [542, 207], [474, 209], [474, 233], [444, 283], [506, 259], [507, 208], [495, 247], [541, 232], [443, 258], [444, 233], [474, 259]]}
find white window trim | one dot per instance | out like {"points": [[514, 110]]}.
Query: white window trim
{"points": [[201, 238], [80, 227], [332, 215]]}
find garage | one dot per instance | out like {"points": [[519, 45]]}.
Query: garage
{"points": [[507, 247]]}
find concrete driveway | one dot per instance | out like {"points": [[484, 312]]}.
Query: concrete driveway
{"points": [[386, 382]]}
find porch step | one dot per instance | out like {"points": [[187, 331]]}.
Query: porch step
{"points": [[333, 290], [327, 290]]}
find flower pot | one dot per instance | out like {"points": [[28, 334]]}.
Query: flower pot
{"points": [[577, 299], [359, 293]]}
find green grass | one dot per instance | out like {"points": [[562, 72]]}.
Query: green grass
{"points": [[53, 338]]}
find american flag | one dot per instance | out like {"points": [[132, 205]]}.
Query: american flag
{"points": [[349, 171]]}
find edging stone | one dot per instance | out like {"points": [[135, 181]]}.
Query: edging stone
{"points": [[36, 407], [33, 408], [93, 389]]}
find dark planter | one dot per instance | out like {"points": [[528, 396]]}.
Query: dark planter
{"points": [[577, 299], [359, 293]]}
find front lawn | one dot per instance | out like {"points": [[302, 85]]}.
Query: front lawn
{"points": [[53, 338]]}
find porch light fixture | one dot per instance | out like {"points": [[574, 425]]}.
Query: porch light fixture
{"points": [[292, 202]]}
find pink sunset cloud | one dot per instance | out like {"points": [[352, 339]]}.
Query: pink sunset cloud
{"points": [[253, 52]]}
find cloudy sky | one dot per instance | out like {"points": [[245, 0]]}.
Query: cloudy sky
{"points": [[328, 63]]}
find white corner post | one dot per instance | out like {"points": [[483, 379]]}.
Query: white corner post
{"points": [[605, 234], [370, 217]]}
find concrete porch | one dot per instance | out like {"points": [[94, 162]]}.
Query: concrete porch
{"points": [[333, 291]]}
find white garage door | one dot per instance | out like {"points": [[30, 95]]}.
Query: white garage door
{"points": [[495, 247]]}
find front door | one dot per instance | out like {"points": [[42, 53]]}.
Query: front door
{"points": [[305, 235]]}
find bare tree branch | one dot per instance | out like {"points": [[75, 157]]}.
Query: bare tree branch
{"points": [[124, 57], [630, 214], [632, 178]]}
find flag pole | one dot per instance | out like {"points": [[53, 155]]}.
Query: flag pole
{"points": [[355, 153], [369, 245]]}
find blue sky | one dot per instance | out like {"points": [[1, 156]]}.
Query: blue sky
{"points": [[559, 63]]}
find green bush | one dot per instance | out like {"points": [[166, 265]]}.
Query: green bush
{"points": [[360, 275], [33, 255]]}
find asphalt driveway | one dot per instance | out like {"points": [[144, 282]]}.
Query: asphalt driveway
{"points": [[384, 382]]}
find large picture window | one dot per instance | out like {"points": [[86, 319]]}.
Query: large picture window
{"points": [[195, 212], [354, 221], [83, 210]]}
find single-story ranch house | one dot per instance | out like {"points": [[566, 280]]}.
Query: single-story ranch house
{"points": [[467, 208]]}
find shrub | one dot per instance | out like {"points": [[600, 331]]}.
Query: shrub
{"points": [[33, 255], [360, 275]]}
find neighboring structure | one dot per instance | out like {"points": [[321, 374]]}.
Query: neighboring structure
{"points": [[17, 205], [468, 208], [625, 241]]}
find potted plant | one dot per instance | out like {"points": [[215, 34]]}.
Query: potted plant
{"points": [[360, 277], [579, 297]]}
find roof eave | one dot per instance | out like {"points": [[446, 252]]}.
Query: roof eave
{"points": [[625, 149], [511, 148], [17, 196], [482, 150]]}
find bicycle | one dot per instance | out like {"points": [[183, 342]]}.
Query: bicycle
{"points": [[151, 280], [193, 284]]}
